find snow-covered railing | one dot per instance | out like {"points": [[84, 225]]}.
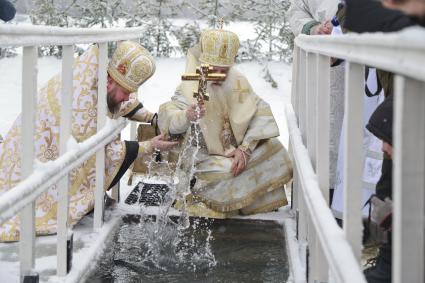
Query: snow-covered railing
{"points": [[36, 179], [334, 254]]}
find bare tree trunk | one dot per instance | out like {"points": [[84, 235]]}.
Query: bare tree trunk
{"points": [[158, 29], [269, 56], [215, 13]]}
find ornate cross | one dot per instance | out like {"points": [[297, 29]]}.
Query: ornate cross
{"points": [[203, 75], [242, 91], [220, 23]]}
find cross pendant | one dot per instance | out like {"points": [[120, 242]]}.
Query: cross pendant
{"points": [[203, 75]]}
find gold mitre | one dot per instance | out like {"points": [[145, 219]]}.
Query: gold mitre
{"points": [[219, 47], [131, 65]]}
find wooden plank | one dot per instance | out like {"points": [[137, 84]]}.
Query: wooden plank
{"points": [[409, 181], [29, 106], [101, 120], [65, 134], [353, 166]]}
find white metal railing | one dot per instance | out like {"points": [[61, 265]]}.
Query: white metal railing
{"points": [[335, 253], [37, 179]]}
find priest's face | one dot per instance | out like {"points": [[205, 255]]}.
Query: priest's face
{"points": [[220, 70], [116, 94]]}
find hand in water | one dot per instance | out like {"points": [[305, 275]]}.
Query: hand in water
{"points": [[240, 160], [161, 143], [193, 113]]}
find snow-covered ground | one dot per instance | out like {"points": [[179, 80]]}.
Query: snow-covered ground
{"points": [[155, 91]]}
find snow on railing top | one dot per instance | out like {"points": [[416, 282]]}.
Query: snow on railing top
{"points": [[30, 35], [339, 254], [402, 52], [46, 174]]}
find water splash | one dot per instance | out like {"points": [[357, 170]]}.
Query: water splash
{"points": [[169, 242]]}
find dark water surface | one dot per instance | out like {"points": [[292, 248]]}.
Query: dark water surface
{"points": [[238, 251]]}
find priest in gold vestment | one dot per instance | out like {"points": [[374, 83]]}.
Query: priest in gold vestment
{"points": [[130, 66], [241, 167]]}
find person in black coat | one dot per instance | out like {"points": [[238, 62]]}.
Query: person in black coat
{"points": [[7, 10], [381, 125], [414, 8], [371, 16]]}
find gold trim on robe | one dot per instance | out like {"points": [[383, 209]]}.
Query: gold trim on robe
{"points": [[252, 126], [84, 125]]}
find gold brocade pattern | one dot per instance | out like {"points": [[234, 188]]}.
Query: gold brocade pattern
{"points": [[131, 65], [253, 127], [219, 47], [84, 125]]}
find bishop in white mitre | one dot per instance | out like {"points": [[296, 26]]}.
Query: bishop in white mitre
{"points": [[130, 66], [241, 167]]}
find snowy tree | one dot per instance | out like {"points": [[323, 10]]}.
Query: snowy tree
{"points": [[210, 10], [274, 39], [135, 13], [188, 36], [52, 13], [273, 34], [158, 26], [99, 13]]}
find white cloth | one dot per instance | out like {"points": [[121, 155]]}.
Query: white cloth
{"points": [[302, 12], [371, 152]]}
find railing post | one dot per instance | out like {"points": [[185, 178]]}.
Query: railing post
{"points": [[323, 119], [409, 181], [101, 120], [322, 150], [311, 92], [302, 100], [65, 134], [353, 165], [302, 217], [29, 106], [295, 79]]}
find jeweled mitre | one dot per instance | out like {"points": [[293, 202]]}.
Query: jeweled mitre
{"points": [[219, 47], [131, 65]]}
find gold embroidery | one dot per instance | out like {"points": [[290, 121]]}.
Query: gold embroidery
{"points": [[241, 91]]}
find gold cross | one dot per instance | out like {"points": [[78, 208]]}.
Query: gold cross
{"points": [[220, 23], [241, 91], [203, 75]]}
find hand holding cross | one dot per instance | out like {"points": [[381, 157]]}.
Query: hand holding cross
{"points": [[203, 75]]}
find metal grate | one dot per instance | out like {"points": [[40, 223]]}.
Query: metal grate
{"points": [[147, 194]]}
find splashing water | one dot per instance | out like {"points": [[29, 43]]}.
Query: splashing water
{"points": [[169, 242]]}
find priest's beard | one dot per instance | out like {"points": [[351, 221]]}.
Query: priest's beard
{"points": [[226, 86], [113, 105]]}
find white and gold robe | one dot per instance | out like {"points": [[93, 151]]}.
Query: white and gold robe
{"points": [[84, 122], [259, 187]]}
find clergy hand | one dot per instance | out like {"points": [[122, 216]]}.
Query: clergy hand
{"points": [[161, 143], [193, 113], [240, 160]]}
